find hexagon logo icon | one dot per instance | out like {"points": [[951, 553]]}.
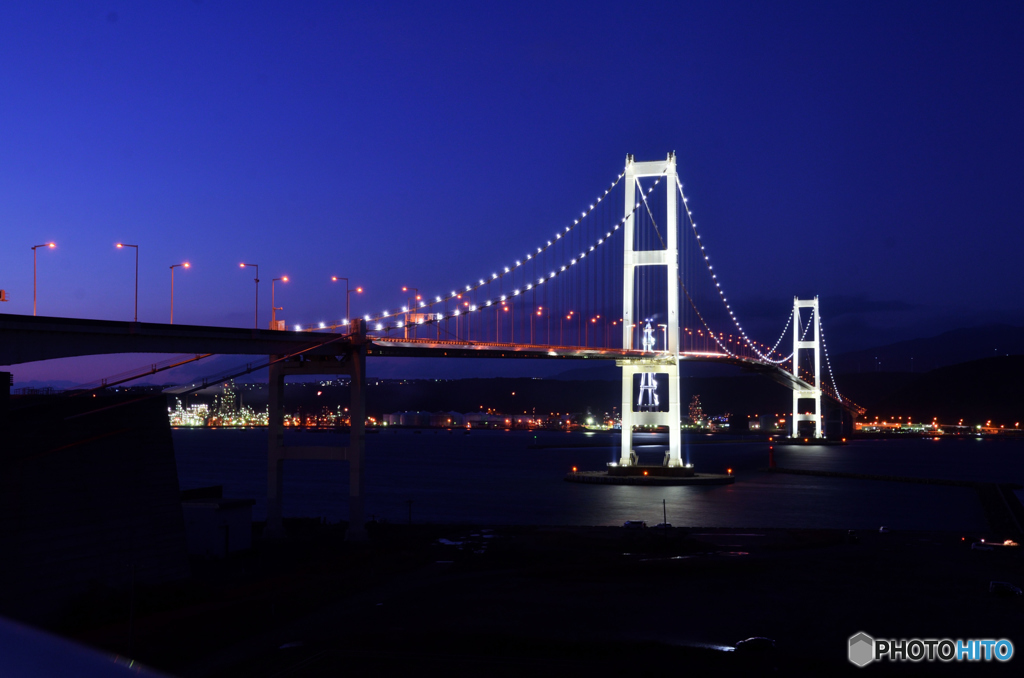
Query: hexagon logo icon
{"points": [[862, 649]]}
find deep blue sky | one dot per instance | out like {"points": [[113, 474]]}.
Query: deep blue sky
{"points": [[871, 153]]}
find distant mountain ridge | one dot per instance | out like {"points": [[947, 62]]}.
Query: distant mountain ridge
{"points": [[976, 392], [929, 353], [913, 355]]}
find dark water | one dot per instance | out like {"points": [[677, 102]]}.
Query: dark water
{"points": [[493, 477]]}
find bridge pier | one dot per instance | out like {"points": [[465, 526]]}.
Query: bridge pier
{"points": [[667, 360], [353, 364], [630, 418], [813, 390]]}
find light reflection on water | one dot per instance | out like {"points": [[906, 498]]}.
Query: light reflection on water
{"points": [[493, 477]]}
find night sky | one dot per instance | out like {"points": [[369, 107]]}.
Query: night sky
{"points": [[870, 153]]}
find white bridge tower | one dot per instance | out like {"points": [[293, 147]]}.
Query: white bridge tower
{"points": [[813, 391], [657, 362]]}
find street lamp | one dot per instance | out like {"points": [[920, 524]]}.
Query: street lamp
{"points": [[547, 321], [410, 306], [121, 245], [275, 309], [359, 290], [51, 245], [467, 311], [256, 318], [174, 266]]}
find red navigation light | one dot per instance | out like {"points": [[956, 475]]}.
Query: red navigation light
{"points": [[574, 469], [645, 472]]}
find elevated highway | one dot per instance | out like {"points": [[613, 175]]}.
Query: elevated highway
{"points": [[32, 338]]}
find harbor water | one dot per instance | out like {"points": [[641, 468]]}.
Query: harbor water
{"points": [[516, 478]]}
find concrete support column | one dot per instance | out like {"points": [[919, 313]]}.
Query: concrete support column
{"points": [[275, 450], [6, 379], [675, 433], [629, 186], [627, 415], [813, 390], [669, 258], [357, 434]]}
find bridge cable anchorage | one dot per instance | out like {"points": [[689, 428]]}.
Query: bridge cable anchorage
{"points": [[479, 307]]}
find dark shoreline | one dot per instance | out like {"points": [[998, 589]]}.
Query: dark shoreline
{"points": [[509, 600]]}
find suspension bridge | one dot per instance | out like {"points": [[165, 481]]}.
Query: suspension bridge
{"points": [[564, 298]]}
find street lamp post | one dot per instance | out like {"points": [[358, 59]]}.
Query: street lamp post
{"points": [[174, 266], [275, 309], [256, 317], [122, 245], [415, 297], [664, 335], [359, 290], [51, 245]]}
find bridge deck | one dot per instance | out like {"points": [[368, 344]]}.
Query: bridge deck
{"points": [[30, 338]]}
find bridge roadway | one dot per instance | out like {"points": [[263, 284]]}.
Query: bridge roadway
{"points": [[31, 338], [431, 348]]}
